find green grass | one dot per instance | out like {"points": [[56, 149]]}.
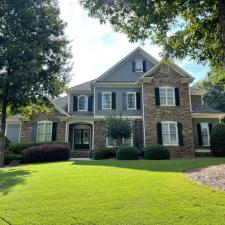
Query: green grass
{"points": [[109, 192]]}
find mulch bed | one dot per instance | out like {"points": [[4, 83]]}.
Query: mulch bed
{"points": [[213, 176]]}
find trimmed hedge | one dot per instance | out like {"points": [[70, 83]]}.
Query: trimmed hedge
{"points": [[19, 147], [217, 140], [156, 151], [127, 153], [104, 153], [10, 158], [46, 153]]}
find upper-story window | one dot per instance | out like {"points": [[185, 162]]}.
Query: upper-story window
{"points": [[83, 103], [138, 65], [167, 96], [44, 131], [169, 133], [106, 100], [131, 100]]}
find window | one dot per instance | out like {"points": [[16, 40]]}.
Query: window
{"points": [[138, 66], [44, 131], [164, 68], [83, 103], [169, 133], [131, 100], [167, 96], [205, 134], [106, 100]]}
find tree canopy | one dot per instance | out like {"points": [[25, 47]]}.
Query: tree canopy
{"points": [[185, 28]]}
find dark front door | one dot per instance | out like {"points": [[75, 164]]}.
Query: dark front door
{"points": [[81, 138]]}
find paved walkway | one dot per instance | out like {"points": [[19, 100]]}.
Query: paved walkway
{"points": [[83, 159]]}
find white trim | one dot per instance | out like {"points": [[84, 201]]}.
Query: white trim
{"points": [[6, 128], [94, 101], [135, 100], [166, 89], [78, 105], [44, 122], [128, 117], [59, 109], [208, 134], [177, 135], [143, 113], [107, 92], [139, 61], [68, 108], [66, 133], [202, 99], [208, 115], [190, 102]]}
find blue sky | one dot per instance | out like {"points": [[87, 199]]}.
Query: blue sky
{"points": [[97, 47]]}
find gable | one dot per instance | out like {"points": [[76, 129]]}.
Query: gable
{"points": [[123, 72]]}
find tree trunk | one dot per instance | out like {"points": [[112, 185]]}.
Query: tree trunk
{"points": [[221, 16], [2, 131]]}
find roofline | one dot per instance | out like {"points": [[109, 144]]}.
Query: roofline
{"points": [[208, 115], [59, 109], [111, 69], [197, 92]]}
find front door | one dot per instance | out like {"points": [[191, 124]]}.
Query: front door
{"points": [[82, 139]]}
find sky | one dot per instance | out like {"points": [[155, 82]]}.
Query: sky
{"points": [[96, 47]]}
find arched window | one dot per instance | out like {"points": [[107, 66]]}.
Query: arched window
{"points": [[83, 103]]}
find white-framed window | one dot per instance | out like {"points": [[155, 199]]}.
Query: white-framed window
{"points": [[169, 133], [205, 134], [138, 65], [44, 131], [83, 103], [106, 100], [131, 100], [167, 96]]}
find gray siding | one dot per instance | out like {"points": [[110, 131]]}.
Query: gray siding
{"points": [[13, 132], [124, 72], [119, 102], [196, 99]]}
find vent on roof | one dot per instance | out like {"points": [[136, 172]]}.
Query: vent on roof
{"points": [[164, 68]]}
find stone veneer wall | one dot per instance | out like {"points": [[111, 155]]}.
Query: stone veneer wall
{"points": [[26, 128], [138, 133], [181, 114], [99, 134]]}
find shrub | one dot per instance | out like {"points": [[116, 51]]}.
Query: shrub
{"points": [[7, 142], [218, 140], [104, 153], [156, 151], [19, 147], [128, 153], [10, 158], [46, 153]]}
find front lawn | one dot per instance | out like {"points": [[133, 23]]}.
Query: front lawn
{"points": [[108, 192]]}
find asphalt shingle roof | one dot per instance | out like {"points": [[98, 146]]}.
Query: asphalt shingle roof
{"points": [[197, 108]]}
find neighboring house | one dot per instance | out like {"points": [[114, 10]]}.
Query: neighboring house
{"points": [[154, 95]]}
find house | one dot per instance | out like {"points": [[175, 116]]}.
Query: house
{"points": [[155, 95]]}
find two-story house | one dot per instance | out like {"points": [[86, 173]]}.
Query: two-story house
{"points": [[155, 96]]}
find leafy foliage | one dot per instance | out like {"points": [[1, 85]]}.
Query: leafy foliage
{"points": [[104, 153], [217, 140], [127, 153], [10, 158], [156, 151]]}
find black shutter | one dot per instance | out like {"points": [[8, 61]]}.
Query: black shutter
{"points": [[113, 100], [159, 133], [180, 134], [144, 66], [124, 101], [157, 98], [133, 66], [90, 103], [54, 131], [99, 101], [34, 132], [177, 96], [74, 103], [138, 100], [199, 134], [210, 128]]}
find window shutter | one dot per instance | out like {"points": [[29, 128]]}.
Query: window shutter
{"points": [[144, 66], [159, 133], [74, 103], [199, 134], [90, 103], [210, 128], [34, 132], [138, 100], [124, 101], [157, 98], [54, 131], [113, 100], [180, 134], [99, 101], [177, 96], [133, 66]]}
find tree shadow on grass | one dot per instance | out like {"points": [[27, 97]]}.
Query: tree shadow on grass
{"points": [[177, 165], [10, 178]]}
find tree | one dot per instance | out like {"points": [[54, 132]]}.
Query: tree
{"points": [[194, 28], [215, 94], [34, 56], [118, 128]]}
